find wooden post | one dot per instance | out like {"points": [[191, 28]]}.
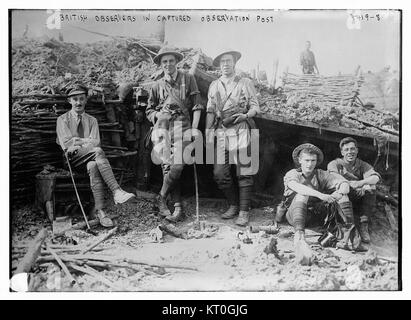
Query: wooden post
{"points": [[275, 73]]}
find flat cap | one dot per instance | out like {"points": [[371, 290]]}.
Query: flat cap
{"points": [[77, 89]]}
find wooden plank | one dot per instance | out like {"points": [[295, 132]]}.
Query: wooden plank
{"points": [[341, 130]]}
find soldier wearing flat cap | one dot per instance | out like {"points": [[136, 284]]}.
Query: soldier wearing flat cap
{"points": [[232, 104], [306, 187], [79, 137], [172, 100]]}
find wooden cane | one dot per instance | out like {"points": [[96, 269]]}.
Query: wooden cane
{"points": [[197, 200], [77, 195]]}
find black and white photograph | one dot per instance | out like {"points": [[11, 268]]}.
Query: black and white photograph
{"points": [[182, 150]]}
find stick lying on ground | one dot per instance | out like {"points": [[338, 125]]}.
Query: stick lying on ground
{"points": [[83, 224], [95, 244], [33, 252], [107, 261], [62, 265], [173, 230], [95, 274], [159, 265]]}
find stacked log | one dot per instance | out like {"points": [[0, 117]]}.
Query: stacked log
{"points": [[34, 145]]}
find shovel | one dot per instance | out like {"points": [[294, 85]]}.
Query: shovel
{"points": [[61, 225]]}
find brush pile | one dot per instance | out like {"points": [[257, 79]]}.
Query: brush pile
{"points": [[326, 101]]}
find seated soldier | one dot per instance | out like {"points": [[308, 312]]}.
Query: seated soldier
{"points": [[79, 137], [306, 187], [362, 179]]}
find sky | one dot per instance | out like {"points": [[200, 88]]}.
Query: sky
{"points": [[339, 44]]}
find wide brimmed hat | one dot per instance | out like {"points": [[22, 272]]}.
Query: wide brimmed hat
{"points": [[235, 54], [167, 50], [77, 89], [311, 147]]}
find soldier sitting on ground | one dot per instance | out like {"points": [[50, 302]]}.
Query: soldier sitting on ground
{"points": [[362, 179], [307, 187]]}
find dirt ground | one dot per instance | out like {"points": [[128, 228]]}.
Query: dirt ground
{"points": [[220, 262]]}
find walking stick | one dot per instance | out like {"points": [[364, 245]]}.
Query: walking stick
{"points": [[75, 189], [197, 222]]}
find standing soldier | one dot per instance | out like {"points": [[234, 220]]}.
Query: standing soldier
{"points": [[79, 137], [232, 103], [171, 100], [307, 60], [362, 178]]}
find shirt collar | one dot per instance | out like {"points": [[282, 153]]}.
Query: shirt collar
{"points": [[310, 176], [75, 115], [351, 165], [227, 79], [173, 76]]}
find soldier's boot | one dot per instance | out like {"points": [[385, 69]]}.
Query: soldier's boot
{"points": [[303, 253], [230, 213], [364, 232], [231, 195], [178, 214], [121, 196], [104, 219], [162, 206], [245, 199], [243, 218], [349, 239], [347, 228], [297, 216]]}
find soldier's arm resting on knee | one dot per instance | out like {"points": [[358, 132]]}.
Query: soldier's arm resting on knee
{"points": [[343, 188], [301, 189], [370, 177], [371, 180]]}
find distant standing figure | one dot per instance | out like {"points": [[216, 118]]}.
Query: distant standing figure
{"points": [[307, 60]]}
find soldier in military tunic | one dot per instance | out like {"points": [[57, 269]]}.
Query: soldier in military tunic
{"points": [[171, 101], [232, 103]]}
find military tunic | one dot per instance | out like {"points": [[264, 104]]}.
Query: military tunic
{"points": [[227, 97], [171, 101]]}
